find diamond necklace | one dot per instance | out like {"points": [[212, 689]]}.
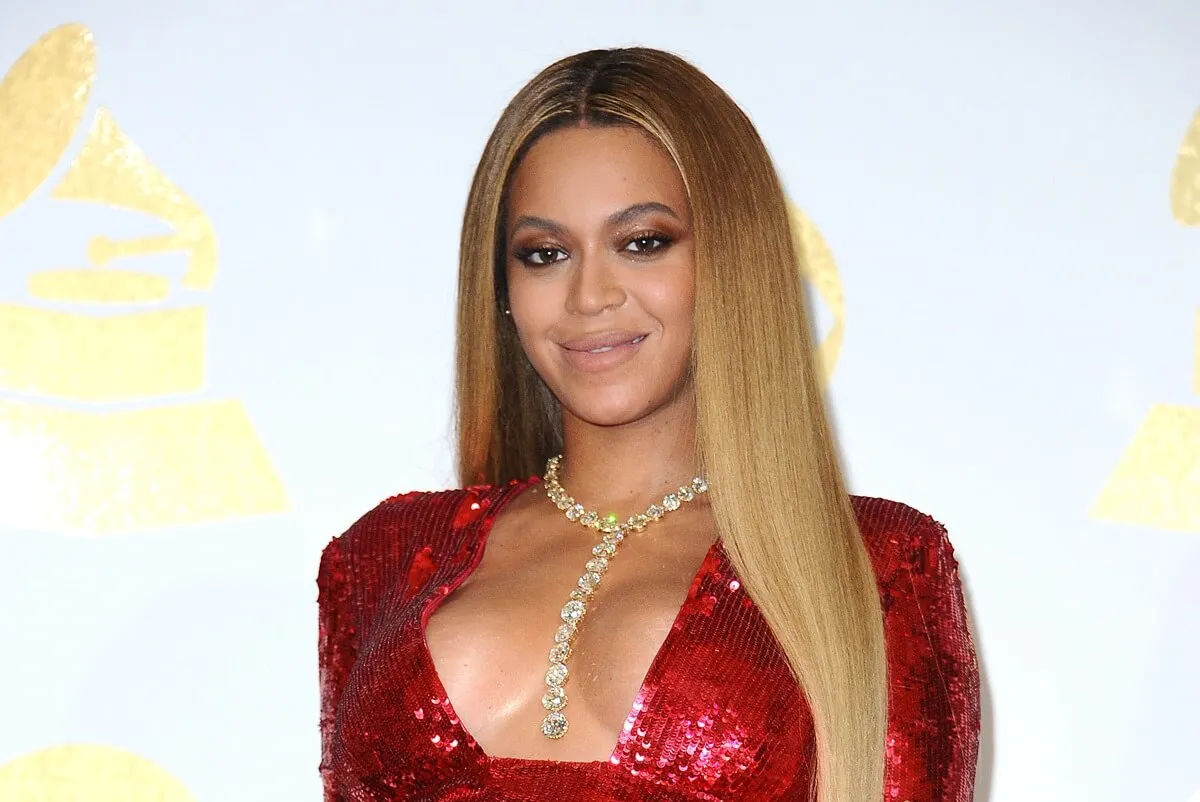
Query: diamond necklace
{"points": [[554, 725]]}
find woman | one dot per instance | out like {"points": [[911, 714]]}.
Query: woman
{"points": [[688, 604]]}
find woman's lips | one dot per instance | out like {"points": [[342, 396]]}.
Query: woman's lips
{"points": [[605, 351]]}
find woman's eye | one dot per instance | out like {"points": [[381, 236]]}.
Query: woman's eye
{"points": [[541, 256], [647, 244]]}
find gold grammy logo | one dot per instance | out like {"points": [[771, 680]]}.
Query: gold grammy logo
{"points": [[90, 338], [1157, 481]]}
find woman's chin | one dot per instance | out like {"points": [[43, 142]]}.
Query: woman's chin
{"points": [[617, 406], [610, 415]]}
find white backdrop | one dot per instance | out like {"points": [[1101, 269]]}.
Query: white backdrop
{"points": [[177, 444]]}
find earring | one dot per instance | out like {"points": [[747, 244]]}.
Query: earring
{"points": [[508, 312]]}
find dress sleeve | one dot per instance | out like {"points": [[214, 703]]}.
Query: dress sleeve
{"points": [[337, 643], [933, 715]]}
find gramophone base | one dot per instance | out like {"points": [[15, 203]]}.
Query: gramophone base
{"points": [[99, 473], [102, 359]]}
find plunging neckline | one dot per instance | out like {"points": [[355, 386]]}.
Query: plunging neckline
{"points": [[635, 709]]}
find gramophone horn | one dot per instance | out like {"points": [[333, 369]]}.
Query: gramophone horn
{"points": [[42, 102], [111, 169]]}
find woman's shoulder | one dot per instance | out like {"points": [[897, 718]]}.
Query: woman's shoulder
{"points": [[403, 540], [899, 536], [420, 520]]}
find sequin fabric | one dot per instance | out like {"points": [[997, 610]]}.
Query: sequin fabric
{"points": [[718, 716]]}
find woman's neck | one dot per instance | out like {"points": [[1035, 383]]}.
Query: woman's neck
{"points": [[624, 469]]}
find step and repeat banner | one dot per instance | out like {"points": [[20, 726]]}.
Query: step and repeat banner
{"points": [[227, 271]]}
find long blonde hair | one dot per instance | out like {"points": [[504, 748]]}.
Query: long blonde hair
{"points": [[763, 436]]}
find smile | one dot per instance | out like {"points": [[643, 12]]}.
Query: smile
{"points": [[596, 353]]}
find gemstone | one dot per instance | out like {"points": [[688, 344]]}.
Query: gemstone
{"points": [[589, 581], [574, 512], [656, 512], [564, 633], [604, 550], [554, 699], [641, 522], [589, 518], [597, 566], [556, 675], [554, 725], [559, 652], [613, 538], [699, 485], [685, 493], [563, 502], [573, 610], [579, 594], [671, 502]]}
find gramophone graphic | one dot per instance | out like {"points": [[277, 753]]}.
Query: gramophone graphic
{"points": [[101, 426], [1157, 481]]}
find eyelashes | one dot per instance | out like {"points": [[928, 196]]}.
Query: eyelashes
{"points": [[642, 245], [649, 243], [539, 256]]}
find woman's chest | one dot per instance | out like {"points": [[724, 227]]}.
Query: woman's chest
{"points": [[495, 642], [675, 687]]}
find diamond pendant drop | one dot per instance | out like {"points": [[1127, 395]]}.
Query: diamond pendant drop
{"points": [[554, 725]]}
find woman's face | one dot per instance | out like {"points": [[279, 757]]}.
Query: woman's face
{"points": [[601, 278]]}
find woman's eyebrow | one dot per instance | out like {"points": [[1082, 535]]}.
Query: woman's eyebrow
{"points": [[541, 223], [639, 209]]}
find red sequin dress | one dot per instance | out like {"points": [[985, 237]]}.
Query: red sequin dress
{"points": [[718, 716]]}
